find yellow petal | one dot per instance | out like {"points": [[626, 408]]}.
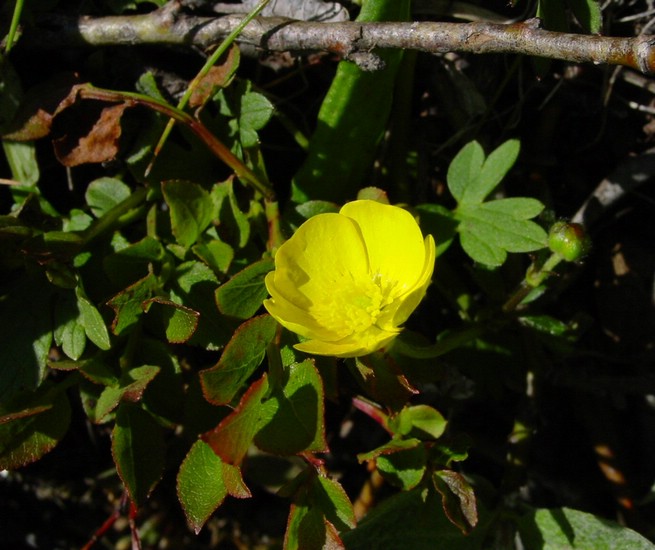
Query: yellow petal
{"points": [[394, 243], [352, 346], [326, 252]]}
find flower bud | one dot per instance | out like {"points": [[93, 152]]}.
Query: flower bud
{"points": [[568, 240]]}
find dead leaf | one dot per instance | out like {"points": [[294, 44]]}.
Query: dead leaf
{"points": [[219, 76], [80, 145]]}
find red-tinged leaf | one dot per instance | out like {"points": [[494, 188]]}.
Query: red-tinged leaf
{"points": [[178, 322], [34, 117], [390, 447], [219, 76], [200, 485], [244, 293], [234, 482], [296, 414], [242, 355], [404, 469], [307, 529], [25, 439], [97, 143], [138, 449], [130, 388], [333, 501], [458, 499], [233, 436], [384, 381], [128, 304]]}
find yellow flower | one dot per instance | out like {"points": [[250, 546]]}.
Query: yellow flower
{"points": [[347, 281]]}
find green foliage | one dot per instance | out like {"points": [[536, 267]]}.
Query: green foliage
{"points": [[131, 318], [488, 230]]}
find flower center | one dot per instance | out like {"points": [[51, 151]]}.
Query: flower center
{"points": [[353, 306]]}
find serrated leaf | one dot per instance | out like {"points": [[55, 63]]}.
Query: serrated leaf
{"points": [[92, 322], [233, 436], [105, 193], [295, 414], [493, 170], [464, 169], [128, 304], [26, 438], [411, 519], [404, 468], [457, 498], [200, 485], [194, 287], [333, 501], [177, 322], [244, 293], [567, 529], [137, 445], [130, 388], [216, 254], [243, 354], [307, 529], [191, 209]]}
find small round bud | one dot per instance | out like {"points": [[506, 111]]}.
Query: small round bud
{"points": [[568, 240]]}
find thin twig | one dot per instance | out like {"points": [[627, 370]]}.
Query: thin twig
{"points": [[345, 38]]}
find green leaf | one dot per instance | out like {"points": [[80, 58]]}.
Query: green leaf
{"points": [[588, 14], [393, 446], [411, 519], [132, 262], [244, 293], [243, 354], [92, 322], [295, 413], [440, 223], [216, 254], [191, 210], [176, 321], [234, 226], [34, 431], [138, 449], [489, 230], [194, 287], [128, 304], [130, 387], [25, 335], [233, 436], [21, 157], [307, 529], [493, 170], [330, 497], [105, 193], [256, 110], [68, 332], [200, 485], [419, 421], [403, 468], [464, 169], [567, 529], [458, 499]]}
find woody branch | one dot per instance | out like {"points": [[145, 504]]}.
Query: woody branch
{"points": [[353, 40]]}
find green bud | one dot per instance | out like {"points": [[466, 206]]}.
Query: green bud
{"points": [[568, 240]]}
